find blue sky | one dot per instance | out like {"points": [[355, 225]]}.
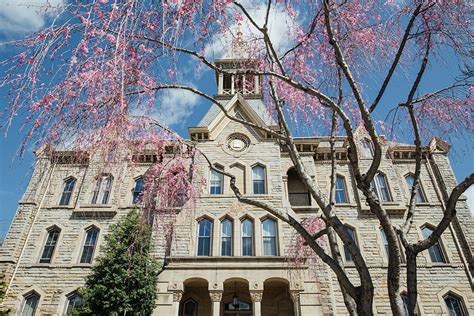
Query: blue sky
{"points": [[183, 109]]}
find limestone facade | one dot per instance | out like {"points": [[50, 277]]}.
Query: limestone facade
{"points": [[263, 282]]}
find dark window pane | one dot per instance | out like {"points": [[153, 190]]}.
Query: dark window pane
{"points": [[454, 305], [341, 196], [351, 233], [258, 176], [269, 237], [67, 192], [420, 197], [74, 302], [204, 238], [435, 251], [49, 246], [89, 245], [216, 181], [138, 191], [30, 305]]}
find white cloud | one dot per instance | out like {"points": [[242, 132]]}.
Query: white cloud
{"points": [[23, 16], [171, 107], [469, 193], [280, 27]]}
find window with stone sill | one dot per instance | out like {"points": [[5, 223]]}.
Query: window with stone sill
{"points": [[216, 181], [102, 189], [204, 237], [436, 251], [247, 237], [67, 191], [226, 237], [269, 236], [50, 245], [379, 186], [420, 195], [258, 178], [351, 232], [90, 243]]}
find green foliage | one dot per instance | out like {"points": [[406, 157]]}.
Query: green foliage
{"points": [[123, 282]]}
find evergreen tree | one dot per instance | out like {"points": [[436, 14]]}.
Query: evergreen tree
{"points": [[123, 282]]}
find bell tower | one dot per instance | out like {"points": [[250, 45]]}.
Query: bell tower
{"points": [[232, 82]]}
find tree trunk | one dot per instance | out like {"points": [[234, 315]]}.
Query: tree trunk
{"points": [[411, 282]]}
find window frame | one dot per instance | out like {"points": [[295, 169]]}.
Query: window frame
{"points": [[68, 193], [210, 237], [438, 245], [375, 187], [229, 239], [220, 178], [252, 237], [52, 229], [275, 237], [90, 246], [68, 301], [102, 190], [347, 256], [264, 180], [137, 196], [26, 297], [188, 301], [343, 190], [385, 246], [420, 192], [459, 299], [368, 148]]}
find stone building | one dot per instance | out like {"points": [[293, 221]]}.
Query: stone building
{"points": [[227, 258]]}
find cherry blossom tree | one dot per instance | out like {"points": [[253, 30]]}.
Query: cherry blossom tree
{"points": [[95, 74]]}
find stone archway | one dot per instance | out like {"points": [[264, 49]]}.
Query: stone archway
{"points": [[195, 300], [277, 299], [236, 300]]}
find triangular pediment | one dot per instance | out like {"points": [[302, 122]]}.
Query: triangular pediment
{"points": [[252, 110]]}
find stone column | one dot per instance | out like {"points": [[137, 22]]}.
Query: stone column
{"points": [[177, 296], [220, 85], [232, 84], [256, 297], [295, 297], [216, 297], [257, 85]]}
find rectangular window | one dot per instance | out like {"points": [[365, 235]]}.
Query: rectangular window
{"points": [[204, 238], [435, 251], [258, 176], [226, 243], [341, 195], [269, 237], [247, 238], [380, 188], [49, 246], [89, 245], [67, 192], [420, 196], [351, 233], [216, 181]]}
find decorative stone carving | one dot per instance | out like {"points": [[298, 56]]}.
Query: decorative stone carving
{"points": [[238, 142], [295, 296], [216, 296], [256, 296], [177, 296]]}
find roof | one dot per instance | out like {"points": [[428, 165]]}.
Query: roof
{"points": [[256, 105]]}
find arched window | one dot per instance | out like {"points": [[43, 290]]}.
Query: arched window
{"points": [[204, 237], [435, 251], [247, 237], [380, 187], [216, 181], [89, 244], [420, 196], [50, 245], [455, 305], [67, 191], [226, 237], [74, 301], [103, 186], [190, 308], [352, 234], [258, 177], [30, 304], [269, 233], [341, 192], [138, 191], [368, 148], [385, 244]]}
